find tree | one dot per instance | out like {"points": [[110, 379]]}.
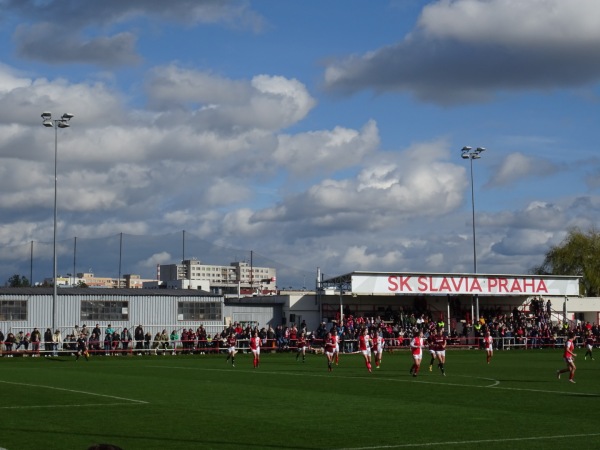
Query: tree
{"points": [[18, 281], [578, 254]]}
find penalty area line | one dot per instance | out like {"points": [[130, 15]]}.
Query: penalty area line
{"points": [[66, 406], [75, 391], [477, 441]]}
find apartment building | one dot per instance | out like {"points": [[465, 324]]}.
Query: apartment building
{"points": [[238, 278]]}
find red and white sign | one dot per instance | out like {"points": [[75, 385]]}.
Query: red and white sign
{"points": [[464, 284]]}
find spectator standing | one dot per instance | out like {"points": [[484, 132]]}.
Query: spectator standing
{"points": [[293, 336], [185, 339], [56, 342], [191, 341], [164, 340], [174, 339], [107, 344], [156, 343], [116, 337], [48, 345], [97, 330], [147, 340], [8, 343], [279, 337], [138, 336], [94, 343], [201, 334], [270, 337], [1, 341], [36, 338], [125, 340]]}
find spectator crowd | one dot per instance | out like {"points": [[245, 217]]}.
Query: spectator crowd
{"points": [[531, 327]]}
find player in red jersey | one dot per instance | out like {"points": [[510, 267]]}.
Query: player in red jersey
{"points": [[255, 347], [416, 347], [336, 339], [301, 346], [378, 344], [589, 345], [569, 357], [364, 345], [488, 345], [329, 350], [231, 350]]}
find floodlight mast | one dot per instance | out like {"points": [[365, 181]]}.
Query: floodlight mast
{"points": [[63, 122], [470, 154]]}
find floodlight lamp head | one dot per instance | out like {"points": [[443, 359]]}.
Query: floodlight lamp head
{"points": [[480, 149], [47, 123], [465, 156], [63, 124], [466, 148], [46, 115], [67, 116], [475, 156]]}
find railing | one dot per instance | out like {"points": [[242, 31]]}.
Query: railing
{"points": [[212, 346]]}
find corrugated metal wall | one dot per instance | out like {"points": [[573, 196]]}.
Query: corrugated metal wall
{"points": [[154, 313]]}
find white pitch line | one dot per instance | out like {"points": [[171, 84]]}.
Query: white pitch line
{"points": [[479, 441], [129, 400], [66, 406], [494, 385]]}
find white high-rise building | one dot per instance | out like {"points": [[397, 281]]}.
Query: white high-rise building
{"points": [[238, 278]]}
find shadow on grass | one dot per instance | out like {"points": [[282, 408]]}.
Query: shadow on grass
{"points": [[165, 442], [56, 359]]}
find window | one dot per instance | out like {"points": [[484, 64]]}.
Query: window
{"points": [[199, 311], [104, 311], [13, 310]]}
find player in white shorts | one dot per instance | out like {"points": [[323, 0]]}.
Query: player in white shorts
{"points": [[364, 345], [231, 350], [488, 344], [378, 344]]}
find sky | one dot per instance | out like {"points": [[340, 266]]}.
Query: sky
{"points": [[297, 135]]}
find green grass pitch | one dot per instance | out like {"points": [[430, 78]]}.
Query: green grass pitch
{"points": [[201, 402]]}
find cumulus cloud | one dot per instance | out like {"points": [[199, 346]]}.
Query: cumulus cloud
{"points": [[265, 102], [67, 31], [517, 166], [468, 50], [55, 44], [418, 182], [320, 151], [156, 259]]}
